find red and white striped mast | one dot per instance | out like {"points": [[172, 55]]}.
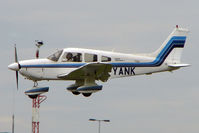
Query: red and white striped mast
{"points": [[35, 112], [38, 100]]}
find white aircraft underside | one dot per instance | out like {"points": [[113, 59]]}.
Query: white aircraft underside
{"points": [[85, 66]]}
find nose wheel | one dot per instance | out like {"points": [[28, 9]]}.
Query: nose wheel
{"points": [[34, 96]]}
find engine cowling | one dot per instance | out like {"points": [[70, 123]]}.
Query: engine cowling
{"points": [[89, 88], [35, 91]]}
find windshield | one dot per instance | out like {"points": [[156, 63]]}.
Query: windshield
{"points": [[55, 56]]}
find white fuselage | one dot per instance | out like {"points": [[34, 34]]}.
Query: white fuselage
{"points": [[123, 65]]}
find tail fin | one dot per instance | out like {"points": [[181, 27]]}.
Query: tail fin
{"points": [[171, 49]]}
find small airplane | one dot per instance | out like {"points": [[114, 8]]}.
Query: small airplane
{"points": [[86, 66]]}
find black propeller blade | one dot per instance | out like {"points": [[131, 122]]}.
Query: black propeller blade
{"points": [[17, 80], [16, 60]]}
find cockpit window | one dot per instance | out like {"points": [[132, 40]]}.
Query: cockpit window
{"points": [[72, 57], [105, 59], [90, 57], [55, 56]]}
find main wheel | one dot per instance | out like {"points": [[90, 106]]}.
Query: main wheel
{"points": [[33, 96], [86, 94], [75, 93]]}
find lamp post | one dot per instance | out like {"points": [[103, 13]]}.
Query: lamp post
{"points": [[99, 121]]}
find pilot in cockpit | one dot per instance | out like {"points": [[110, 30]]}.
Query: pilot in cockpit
{"points": [[69, 57]]}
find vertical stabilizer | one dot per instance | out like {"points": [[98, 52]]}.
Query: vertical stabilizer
{"points": [[171, 50]]}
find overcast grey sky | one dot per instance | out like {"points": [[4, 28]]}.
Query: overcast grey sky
{"points": [[160, 103]]}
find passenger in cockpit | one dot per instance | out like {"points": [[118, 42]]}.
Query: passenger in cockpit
{"points": [[77, 58]]}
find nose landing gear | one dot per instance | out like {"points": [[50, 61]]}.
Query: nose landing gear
{"points": [[35, 91]]}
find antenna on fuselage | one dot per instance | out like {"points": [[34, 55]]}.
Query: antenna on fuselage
{"points": [[38, 44]]}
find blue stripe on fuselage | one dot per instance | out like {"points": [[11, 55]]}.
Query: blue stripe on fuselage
{"points": [[68, 65], [174, 42]]}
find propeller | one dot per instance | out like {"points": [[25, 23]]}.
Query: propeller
{"points": [[16, 61]]}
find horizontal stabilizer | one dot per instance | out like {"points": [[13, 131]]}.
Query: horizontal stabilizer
{"points": [[178, 65]]}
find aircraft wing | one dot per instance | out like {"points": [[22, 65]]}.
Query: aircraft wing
{"points": [[99, 71]]}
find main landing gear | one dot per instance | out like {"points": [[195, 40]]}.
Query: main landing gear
{"points": [[75, 93], [86, 94]]}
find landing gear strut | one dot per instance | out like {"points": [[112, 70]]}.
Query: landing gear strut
{"points": [[35, 84]]}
